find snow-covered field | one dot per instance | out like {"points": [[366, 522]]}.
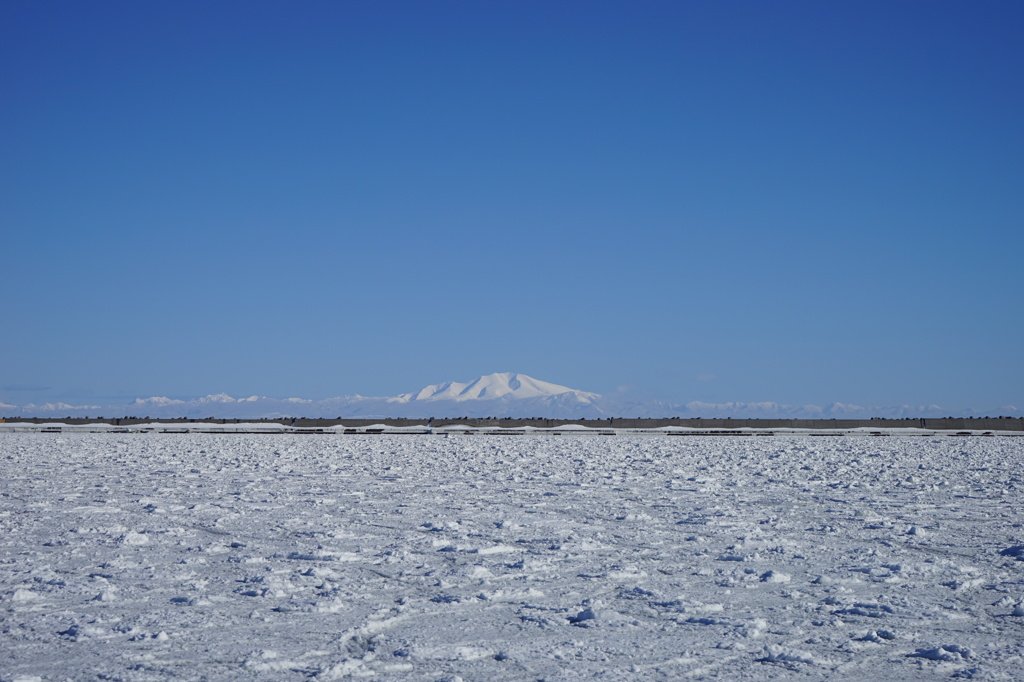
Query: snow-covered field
{"points": [[156, 556]]}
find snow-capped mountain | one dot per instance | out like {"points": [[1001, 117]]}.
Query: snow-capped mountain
{"points": [[507, 385], [504, 394]]}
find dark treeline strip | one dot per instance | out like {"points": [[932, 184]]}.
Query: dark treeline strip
{"points": [[937, 424]]}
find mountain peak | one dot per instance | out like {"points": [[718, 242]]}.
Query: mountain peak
{"points": [[511, 385]]}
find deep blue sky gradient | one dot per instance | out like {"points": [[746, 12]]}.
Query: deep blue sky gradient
{"points": [[801, 202]]}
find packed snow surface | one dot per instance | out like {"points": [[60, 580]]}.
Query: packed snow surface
{"points": [[192, 556]]}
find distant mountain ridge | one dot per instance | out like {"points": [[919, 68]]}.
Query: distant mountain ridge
{"points": [[502, 394]]}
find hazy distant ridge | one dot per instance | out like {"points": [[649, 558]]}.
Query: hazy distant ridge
{"points": [[505, 394]]}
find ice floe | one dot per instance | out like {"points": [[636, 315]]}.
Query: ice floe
{"points": [[314, 556]]}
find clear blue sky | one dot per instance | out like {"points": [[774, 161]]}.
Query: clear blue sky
{"points": [[801, 202]]}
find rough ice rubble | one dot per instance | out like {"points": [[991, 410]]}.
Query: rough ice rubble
{"points": [[502, 558]]}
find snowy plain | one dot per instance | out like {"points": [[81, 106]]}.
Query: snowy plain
{"points": [[424, 557]]}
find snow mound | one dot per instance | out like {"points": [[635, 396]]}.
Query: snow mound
{"points": [[951, 653]]}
